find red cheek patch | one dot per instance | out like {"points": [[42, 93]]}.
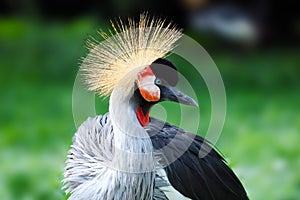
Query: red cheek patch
{"points": [[146, 84], [150, 95]]}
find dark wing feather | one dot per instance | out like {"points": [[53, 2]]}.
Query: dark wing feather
{"points": [[192, 166]]}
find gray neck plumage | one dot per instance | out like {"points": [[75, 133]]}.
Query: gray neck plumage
{"points": [[133, 150], [133, 155]]}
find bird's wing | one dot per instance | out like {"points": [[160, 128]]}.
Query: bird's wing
{"points": [[193, 168]]}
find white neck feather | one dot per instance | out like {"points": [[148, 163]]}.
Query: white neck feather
{"points": [[131, 140]]}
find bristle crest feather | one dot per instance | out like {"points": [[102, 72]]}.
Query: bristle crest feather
{"points": [[125, 48]]}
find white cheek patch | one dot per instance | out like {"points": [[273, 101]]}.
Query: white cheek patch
{"points": [[148, 89], [147, 82]]}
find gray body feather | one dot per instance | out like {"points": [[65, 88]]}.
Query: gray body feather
{"points": [[90, 174]]}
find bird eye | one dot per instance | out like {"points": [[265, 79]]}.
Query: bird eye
{"points": [[157, 81]]}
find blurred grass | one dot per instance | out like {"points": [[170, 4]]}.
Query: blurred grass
{"points": [[38, 64]]}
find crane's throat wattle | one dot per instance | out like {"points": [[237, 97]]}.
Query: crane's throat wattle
{"points": [[142, 117]]}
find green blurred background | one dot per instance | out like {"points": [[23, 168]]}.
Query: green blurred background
{"points": [[40, 47]]}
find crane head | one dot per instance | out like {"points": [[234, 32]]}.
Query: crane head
{"points": [[157, 83]]}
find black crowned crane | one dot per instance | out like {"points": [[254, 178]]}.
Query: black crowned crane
{"points": [[127, 155]]}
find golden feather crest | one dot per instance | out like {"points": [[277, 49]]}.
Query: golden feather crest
{"points": [[126, 48]]}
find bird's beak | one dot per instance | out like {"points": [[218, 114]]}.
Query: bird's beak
{"points": [[174, 94]]}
